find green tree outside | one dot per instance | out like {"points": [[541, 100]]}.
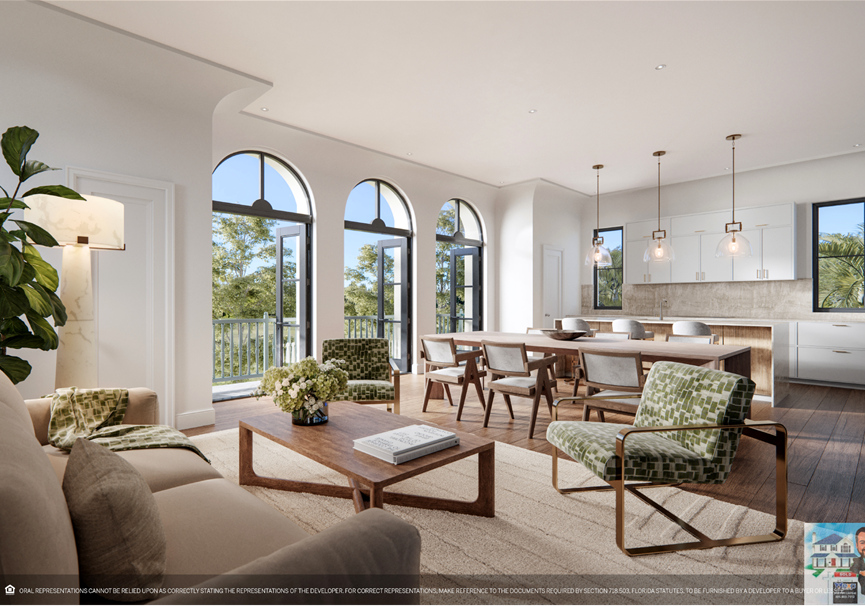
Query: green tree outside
{"points": [[841, 270], [610, 281]]}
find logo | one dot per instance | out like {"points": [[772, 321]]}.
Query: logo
{"points": [[10, 590]]}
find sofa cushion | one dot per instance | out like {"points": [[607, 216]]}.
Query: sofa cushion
{"points": [[215, 526], [9, 395], [162, 468], [118, 530], [36, 536]]}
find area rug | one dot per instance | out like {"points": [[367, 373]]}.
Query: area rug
{"points": [[540, 538]]}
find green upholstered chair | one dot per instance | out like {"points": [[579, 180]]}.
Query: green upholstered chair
{"points": [[373, 378], [687, 429]]}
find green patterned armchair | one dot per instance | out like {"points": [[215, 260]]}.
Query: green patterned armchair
{"points": [[687, 429], [373, 378]]}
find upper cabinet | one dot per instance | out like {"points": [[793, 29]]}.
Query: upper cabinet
{"points": [[771, 230]]}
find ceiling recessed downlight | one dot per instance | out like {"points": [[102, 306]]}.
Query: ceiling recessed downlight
{"points": [[857, 145], [533, 111], [661, 66], [408, 153], [264, 109]]}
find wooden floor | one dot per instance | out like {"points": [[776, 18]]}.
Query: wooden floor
{"points": [[826, 428]]}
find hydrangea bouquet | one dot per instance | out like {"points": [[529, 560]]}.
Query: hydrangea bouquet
{"points": [[303, 388]]}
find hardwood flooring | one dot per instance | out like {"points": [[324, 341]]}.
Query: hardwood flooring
{"points": [[826, 449]]}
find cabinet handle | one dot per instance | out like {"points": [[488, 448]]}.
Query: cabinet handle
{"points": [[650, 277], [839, 351], [647, 236], [765, 274], [762, 225], [703, 275], [699, 231], [758, 274], [698, 276], [841, 325], [644, 277]]}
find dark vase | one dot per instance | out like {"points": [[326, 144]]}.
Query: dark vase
{"points": [[302, 417]]}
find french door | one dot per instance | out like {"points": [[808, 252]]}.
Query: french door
{"points": [[292, 318], [393, 298], [465, 275]]}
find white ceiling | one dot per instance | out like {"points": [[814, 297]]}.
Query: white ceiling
{"points": [[452, 83]]}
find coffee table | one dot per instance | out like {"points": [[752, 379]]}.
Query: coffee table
{"points": [[331, 444]]}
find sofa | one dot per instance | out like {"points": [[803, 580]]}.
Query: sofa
{"points": [[219, 536]]}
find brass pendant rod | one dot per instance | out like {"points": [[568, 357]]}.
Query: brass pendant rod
{"points": [[659, 193], [734, 180]]}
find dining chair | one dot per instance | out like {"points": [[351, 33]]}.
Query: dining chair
{"points": [[637, 330], [537, 356], [608, 376], [511, 375], [624, 336], [450, 368], [687, 429], [577, 324], [690, 327], [707, 339]]}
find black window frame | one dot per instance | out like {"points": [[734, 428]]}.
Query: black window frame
{"points": [[458, 238], [815, 258], [595, 269]]}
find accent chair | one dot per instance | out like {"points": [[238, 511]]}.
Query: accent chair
{"points": [[373, 378]]}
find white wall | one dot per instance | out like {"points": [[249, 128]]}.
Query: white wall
{"points": [[105, 101], [332, 169], [836, 178], [515, 233]]}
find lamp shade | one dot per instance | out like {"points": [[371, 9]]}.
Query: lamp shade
{"points": [[733, 245], [659, 250], [599, 256], [95, 221]]}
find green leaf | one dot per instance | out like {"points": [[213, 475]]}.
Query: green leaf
{"points": [[34, 167], [27, 341], [15, 368], [39, 301], [6, 193], [45, 274], [16, 143], [36, 233], [7, 269], [41, 328], [4, 202], [28, 274], [61, 191], [14, 326], [13, 302], [59, 312]]}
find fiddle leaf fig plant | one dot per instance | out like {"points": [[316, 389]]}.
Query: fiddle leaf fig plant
{"points": [[28, 284]]}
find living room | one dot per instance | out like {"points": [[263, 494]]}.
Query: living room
{"points": [[123, 98]]}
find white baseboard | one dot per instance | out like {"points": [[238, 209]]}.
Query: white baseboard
{"points": [[196, 418], [827, 383]]}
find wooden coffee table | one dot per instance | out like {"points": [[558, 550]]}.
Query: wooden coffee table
{"points": [[331, 444]]}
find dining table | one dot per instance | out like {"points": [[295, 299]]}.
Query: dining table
{"points": [[732, 358]]}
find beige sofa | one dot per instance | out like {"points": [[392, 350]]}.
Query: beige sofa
{"points": [[219, 535]]}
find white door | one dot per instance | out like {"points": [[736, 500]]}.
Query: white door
{"points": [[713, 269], [778, 253], [552, 286], [749, 269], [133, 289], [636, 270], [686, 267]]}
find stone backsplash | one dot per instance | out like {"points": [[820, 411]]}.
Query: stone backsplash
{"points": [[774, 299]]}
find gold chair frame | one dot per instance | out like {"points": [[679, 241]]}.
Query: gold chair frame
{"points": [[749, 428]]}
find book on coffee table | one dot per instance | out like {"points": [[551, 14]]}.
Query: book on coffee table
{"points": [[406, 443]]}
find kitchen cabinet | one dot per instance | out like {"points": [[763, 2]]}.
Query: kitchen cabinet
{"points": [[712, 268], [831, 352], [638, 271], [686, 267]]}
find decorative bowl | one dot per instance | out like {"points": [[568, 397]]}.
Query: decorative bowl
{"points": [[563, 335]]}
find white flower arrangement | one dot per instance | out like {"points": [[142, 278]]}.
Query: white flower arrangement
{"points": [[305, 386]]}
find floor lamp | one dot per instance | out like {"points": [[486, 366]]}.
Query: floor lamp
{"points": [[79, 226]]}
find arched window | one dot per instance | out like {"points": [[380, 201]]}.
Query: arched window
{"points": [[261, 266], [459, 256], [377, 279]]}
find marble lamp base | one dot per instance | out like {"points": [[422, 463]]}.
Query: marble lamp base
{"points": [[76, 354]]}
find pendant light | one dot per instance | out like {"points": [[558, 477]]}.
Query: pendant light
{"points": [[598, 256], [659, 248], [734, 243]]}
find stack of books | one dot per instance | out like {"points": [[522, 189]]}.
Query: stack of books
{"points": [[401, 445]]}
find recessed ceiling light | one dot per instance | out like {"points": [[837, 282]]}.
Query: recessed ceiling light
{"points": [[408, 153], [857, 145], [726, 168], [533, 111], [264, 109], [501, 182], [661, 66]]}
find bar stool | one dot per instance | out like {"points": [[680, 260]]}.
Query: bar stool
{"points": [[637, 330]]}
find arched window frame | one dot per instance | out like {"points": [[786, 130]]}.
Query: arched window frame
{"points": [[458, 237], [377, 225]]}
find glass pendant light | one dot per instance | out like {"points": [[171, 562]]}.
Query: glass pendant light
{"points": [[659, 248], [734, 243], [599, 256]]}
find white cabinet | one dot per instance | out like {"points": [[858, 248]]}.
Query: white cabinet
{"points": [[689, 225], [637, 271], [779, 254], [765, 216], [686, 267], [644, 229], [750, 268], [831, 352], [712, 268]]}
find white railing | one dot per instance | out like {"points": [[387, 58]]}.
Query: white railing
{"points": [[243, 348], [366, 327]]}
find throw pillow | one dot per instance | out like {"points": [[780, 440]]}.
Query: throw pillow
{"points": [[118, 532]]}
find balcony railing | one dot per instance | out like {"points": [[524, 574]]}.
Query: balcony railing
{"points": [[243, 348], [443, 324], [366, 327]]}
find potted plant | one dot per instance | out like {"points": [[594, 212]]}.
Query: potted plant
{"points": [[28, 284], [303, 388]]}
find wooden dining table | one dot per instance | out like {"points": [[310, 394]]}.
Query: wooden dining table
{"points": [[732, 358]]}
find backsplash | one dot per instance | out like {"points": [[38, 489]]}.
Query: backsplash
{"points": [[773, 299]]}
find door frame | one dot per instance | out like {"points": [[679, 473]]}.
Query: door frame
{"points": [[403, 245], [475, 253], [561, 256], [300, 231]]}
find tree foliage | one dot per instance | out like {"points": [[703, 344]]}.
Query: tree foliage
{"points": [[841, 267], [610, 281], [361, 292]]}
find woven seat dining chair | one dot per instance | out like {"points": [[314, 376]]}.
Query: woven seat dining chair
{"points": [[373, 378], [689, 327], [637, 330], [511, 375], [448, 367], [532, 357], [611, 379], [687, 429]]}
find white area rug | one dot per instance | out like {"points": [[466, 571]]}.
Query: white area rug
{"points": [[537, 531]]}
